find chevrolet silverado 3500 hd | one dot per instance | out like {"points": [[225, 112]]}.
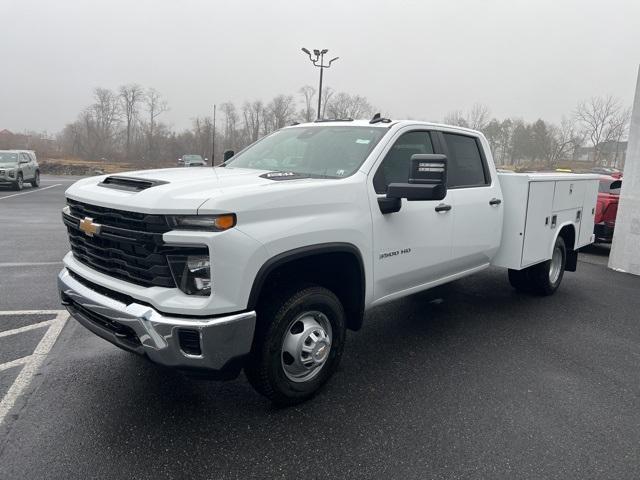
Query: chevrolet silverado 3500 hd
{"points": [[264, 262]]}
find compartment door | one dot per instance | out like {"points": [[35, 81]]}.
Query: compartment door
{"points": [[588, 212], [538, 234], [568, 194]]}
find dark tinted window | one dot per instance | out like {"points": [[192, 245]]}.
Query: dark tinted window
{"points": [[396, 165], [465, 167]]}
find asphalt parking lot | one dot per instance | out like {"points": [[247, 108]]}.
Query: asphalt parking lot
{"points": [[469, 381]]}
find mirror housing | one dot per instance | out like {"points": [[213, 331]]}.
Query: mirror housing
{"points": [[427, 181], [228, 154]]}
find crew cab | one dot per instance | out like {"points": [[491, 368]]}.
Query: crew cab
{"points": [[262, 263], [607, 208], [18, 167]]}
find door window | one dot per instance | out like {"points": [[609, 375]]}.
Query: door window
{"points": [[25, 158], [396, 166], [465, 165]]}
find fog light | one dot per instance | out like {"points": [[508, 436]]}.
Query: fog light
{"points": [[192, 273]]}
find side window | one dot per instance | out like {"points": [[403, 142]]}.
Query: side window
{"points": [[25, 157], [396, 164], [465, 167]]}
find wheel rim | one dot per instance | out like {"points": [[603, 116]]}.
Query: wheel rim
{"points": [[306, 345], [556, 265], [37, 178], [20, 181]]}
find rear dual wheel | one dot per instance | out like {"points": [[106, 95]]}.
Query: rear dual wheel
{"points": [[543, 278]]}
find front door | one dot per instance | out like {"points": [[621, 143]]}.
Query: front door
{"points": [[412, 247], [28, 170]]}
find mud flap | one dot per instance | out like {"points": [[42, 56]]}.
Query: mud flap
{"points": [[571, 263]]}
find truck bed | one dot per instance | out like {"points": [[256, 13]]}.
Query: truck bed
{"points": [[536, 207]]}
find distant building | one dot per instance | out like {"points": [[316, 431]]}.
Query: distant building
{"points": [[611, 154]]}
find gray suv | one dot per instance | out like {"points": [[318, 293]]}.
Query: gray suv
{"points": [[18, 167]]}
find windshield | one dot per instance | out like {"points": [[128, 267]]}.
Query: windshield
{"points": [[611, 187], [192, 158], [331, 152], [8, 157]]}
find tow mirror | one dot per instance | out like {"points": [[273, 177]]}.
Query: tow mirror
{"points": [[427, 181], [228, 154]]}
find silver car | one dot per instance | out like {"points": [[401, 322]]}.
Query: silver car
{"points": [[18, 167], [192, 161]]}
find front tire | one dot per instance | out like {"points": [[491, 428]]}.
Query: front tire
{"points": [[19, 183], [35, 183], [298, 344]]}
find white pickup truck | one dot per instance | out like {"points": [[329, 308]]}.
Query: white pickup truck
{"points": [[264, 262]]}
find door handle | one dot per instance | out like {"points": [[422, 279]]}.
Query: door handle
{"points": [[443, 207], [495, 201]]}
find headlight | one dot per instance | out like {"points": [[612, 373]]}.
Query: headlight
{"points": [[192, 273], [213, 223], [11, 173]]}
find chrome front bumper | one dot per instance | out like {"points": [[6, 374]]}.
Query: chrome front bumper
{"points": [[224, 341]]}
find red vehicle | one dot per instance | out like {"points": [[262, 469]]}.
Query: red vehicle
{"points": [[607, 208]]}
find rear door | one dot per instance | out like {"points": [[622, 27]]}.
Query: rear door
{"points": [[477, 226], [411, 247]]}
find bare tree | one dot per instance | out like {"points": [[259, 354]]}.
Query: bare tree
{"points": [[282, 109], [343, 105], [252, 113], [308, 113], [598, 117], [478, 116], [456, 117], [619, 130], [155, 106], [130, 98], [564, 140], [230, 125], [327, 93]]}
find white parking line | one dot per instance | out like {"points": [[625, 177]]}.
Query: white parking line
{"points": [[30, 191], [32, 363], [26, 328]]}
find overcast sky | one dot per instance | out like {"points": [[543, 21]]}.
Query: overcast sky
{"points": [[417, 59]]}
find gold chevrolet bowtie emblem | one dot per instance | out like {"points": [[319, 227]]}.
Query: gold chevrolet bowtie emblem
{"points": [[88, 227]]}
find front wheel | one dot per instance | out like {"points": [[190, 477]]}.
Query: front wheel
{"points": [[19, 183], [36, 180], [298, 344]]}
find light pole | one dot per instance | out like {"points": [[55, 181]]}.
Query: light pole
{"points": [[318, 56], [213, 138]]}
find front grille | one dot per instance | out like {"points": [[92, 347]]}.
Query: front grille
{"points": [[141, 222], [129, 246]]}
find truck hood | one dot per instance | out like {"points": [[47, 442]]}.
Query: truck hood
{"points": [[177, 190], [8, 165]]}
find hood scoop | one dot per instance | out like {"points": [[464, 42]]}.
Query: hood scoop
{"points": [[130, 184]]}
